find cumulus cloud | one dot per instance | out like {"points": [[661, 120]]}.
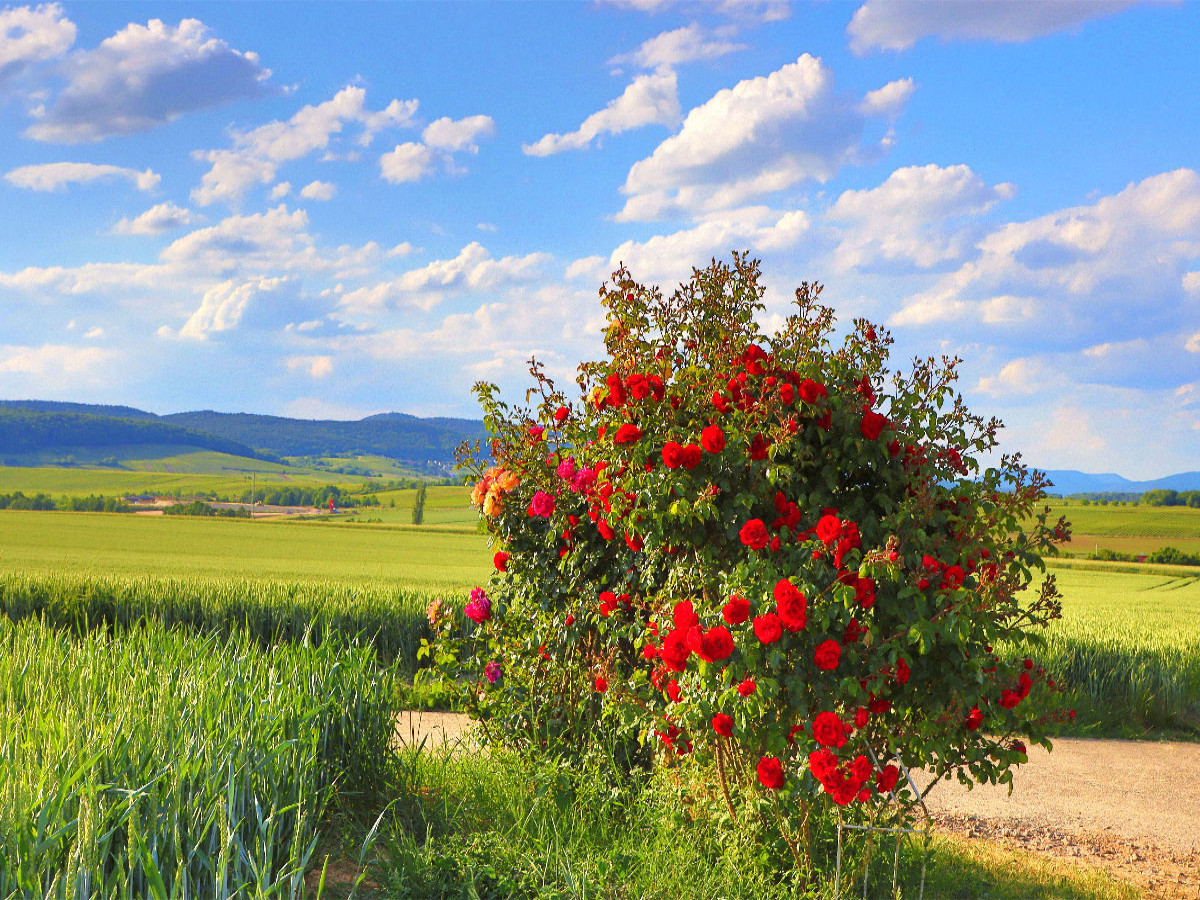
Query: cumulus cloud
{"points": [[143, 77], [673, 48], [458, 134], [56, 176], [909, 219], [669, 258], [763, 135], [318, 190], [474, 269], [30, 35], [54, 364], [1072, 276], [887, 25], [442, 138], [256, 154], [649, 100], [223, 307], [275, 239], [314, 366], [407, 162], [156, 220]]}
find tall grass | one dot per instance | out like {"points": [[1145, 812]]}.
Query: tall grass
{"points": [[390, 620], [1128, 647], [153, 763]]}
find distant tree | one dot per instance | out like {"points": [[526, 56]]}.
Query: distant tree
{"points": [[1161, 497], [418, 511]]}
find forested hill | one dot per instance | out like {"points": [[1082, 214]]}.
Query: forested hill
{"points": [[394, 435], [37, 426], [37, 431]]}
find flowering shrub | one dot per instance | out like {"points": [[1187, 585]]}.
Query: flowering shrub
{"points": [[761, 550]]}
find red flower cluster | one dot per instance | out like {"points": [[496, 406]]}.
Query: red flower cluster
{"points": [[627, 434], [713, 645], [791, 604], [675, 455], [829, 730], [843, 782], [610, 602]]}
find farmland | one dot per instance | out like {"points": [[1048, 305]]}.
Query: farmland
{"points": [[229, 632]]}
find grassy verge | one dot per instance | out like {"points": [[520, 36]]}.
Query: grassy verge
{"points": [[479, 826], [213, 782]]}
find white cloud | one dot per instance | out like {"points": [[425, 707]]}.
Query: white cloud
{"points": [[889, 100], [1191, 282], [908, 219], [461, 134], [1193, 343], [56, 176], [1081, 273], [257, 153], [763, 135], [1024, 376], [156, 220], [94, 333], [673, 48], [53, 361], [888, 25], [281, 190], [30, 35], [318, 190], [223, 307], [314, 366], [273, 240], [669, 258], [649, 100], [474, 269], [143, 77], [407, 162]]}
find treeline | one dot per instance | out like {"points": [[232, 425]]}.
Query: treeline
{"points": [[308, 496], [200, 508], [1169, 556], [25, 430], [1164, 497], [91, 503]]}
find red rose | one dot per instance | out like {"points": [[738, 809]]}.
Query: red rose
{"points": [[672, 455], [746, 688], [712, 439], [754, 534], [736, 611], [713, 645], [829, 529], [827, 655], [673, 690], [601, 684], [758, 447], [872, 423], [541, 504], [812, 391], [627, 434], [675, 651], [864, 592], [691, 456], [723, 724], [605, 529], [500, 561], [791, 605], [770, 773], [902, 671], [684, 615], [829, 730], [560, 414], [768, 629], [974, 719], [787, 393], [616, 391], [861, 718], [886, 778]]}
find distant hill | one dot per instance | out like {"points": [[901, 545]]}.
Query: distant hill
{"points": [[39, 425], [1069, 481]]}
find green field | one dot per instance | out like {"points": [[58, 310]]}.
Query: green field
{"points": [[1128, 529], [279, 550]]}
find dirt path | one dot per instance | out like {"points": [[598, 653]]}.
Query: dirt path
{"points": [[1131, 808]]}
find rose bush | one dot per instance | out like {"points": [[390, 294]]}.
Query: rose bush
{"points": [[758, 549]]}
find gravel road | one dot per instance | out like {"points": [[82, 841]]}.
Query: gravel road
{"points": [[1129, 807]]}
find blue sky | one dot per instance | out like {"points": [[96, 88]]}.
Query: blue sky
{"points": [[328, 210]]}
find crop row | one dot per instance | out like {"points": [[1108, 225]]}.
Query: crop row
{"points": [[153, 762], [389, 620]]}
